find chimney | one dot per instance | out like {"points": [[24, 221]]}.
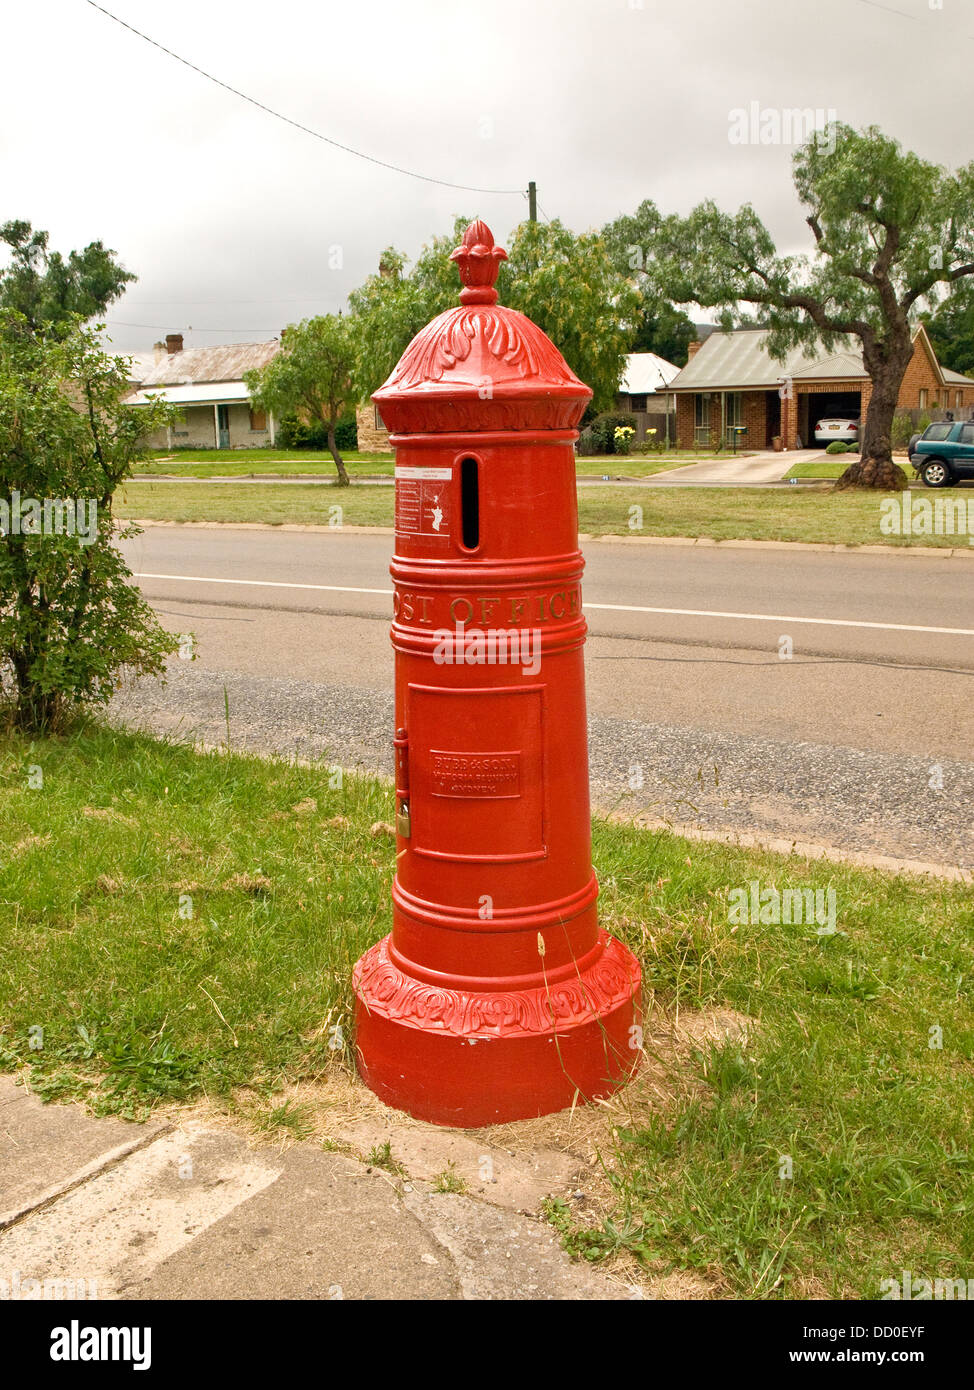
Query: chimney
{"points": [[158, 351], [693, 349], [174, 342]]}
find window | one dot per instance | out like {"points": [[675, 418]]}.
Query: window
{"points": [[937, 432], [258, 419], [734, 409], [958, 399], [966, 434], [923, 398], [701, 418], [637, 402], [379, 423]]}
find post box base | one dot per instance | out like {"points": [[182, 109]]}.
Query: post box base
{"points": [[457, 1058]]}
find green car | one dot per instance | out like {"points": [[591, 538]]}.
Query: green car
{"points": [[944, 452]]}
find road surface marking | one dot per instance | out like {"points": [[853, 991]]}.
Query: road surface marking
{"points": [[781, 618], [602, 607], [264, 583]]}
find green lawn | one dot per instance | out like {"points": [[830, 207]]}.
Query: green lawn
{"points": [[241, 463], [792, 514], [177, 923], [835, 466]]}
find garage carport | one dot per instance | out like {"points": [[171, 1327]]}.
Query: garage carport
{"points": [[822, 405]]}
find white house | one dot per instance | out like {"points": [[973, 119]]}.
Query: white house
{"points": [[643, 393], [207, 384]]}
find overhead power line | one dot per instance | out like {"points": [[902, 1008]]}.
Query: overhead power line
{"points": [[261, 106], [186, 328]]}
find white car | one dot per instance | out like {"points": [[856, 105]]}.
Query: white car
{"points": [[837, 427]]}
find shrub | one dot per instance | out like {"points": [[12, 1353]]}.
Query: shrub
{"points": [[836, 447], [622, 437], [602, 431], [293, 434], [586, 442], [71, 622], [902, 431]]}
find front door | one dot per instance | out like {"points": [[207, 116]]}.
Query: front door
{"points": [[223, 426]]}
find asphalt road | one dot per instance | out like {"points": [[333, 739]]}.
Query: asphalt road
{"points": [[694, 714]]}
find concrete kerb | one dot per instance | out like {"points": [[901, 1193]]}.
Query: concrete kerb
{"points": [[924, 551]]}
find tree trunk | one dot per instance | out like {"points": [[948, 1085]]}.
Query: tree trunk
{"points": [[333, 450], [874, 467]]}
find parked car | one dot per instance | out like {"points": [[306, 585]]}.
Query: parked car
{"points": [[944, 453], [837, 427]]}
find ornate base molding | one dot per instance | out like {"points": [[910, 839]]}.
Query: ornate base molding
{"points": [[383, 989], [466, 1059]]}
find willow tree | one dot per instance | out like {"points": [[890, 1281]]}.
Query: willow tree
{"points": [[891, 233]]}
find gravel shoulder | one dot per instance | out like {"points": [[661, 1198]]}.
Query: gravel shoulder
{"points": [[855, 804]]}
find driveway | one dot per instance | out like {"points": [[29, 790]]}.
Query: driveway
{"points": [[767, 467]]}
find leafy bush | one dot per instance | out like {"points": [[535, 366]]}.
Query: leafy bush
{"points": [[70, 620], [292, 434], [622, 436], [601, 432], [836, 447], [902, 431]]}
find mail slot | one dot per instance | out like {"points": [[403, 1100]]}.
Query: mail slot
{"points": [[496, 996]]}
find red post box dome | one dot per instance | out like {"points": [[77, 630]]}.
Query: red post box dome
{"points": [[481, 366], [496, 996]]}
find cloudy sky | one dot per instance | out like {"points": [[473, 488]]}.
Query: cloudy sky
{"points": [[237, 223]]}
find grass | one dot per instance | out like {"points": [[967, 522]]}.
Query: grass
{"points": [[130, 1002], [449, 1180], [848, 518], [178, 921], [838, 1076], [244, 463], [380, 1156], [835, 466], [291, 503]]}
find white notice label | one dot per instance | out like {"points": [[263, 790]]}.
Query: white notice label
{"points": [[425, 475]]}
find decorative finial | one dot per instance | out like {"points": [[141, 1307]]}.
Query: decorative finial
{"points": [[478, 261]]}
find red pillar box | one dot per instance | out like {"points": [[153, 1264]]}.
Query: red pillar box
{"points": [[497, 996]]}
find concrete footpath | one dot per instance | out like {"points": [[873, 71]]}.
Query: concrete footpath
{"points": [[105, 1209]]}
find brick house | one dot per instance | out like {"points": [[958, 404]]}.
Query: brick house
{"points": [[207, 384], [730, 380]]}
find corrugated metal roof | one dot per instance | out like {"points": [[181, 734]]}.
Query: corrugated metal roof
{"points": [[740, 361], [646, 373], [956, 378], [206, 393], [138, 364], [225, 363]]}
